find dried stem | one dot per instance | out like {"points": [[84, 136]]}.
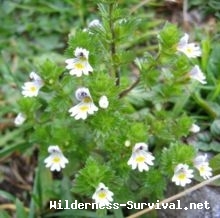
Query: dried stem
{"points": [[125, 92], [185, 15]]}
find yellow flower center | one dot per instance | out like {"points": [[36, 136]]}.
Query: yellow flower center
{"points": [[79, 66], [84, 108], [102, 195], [140, 159], [202, 169], [33, 89], [56, 159], [189, 50], [182, 176]]}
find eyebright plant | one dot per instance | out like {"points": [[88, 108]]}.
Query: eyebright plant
{"points": [[102, 195], [56, 160], [182, 175], [112, 110], [31, 89]]}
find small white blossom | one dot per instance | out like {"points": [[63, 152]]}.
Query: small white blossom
{"points": [[31, 89], [56, 160], [95, 24], [197, 74], [102, 195], [80, 64], [103, 102], [19, 119], [191, 50], [194, 128], [81, 110], [85, 107], [127, 143], [202, 164], [35, 77], [182, 175], [141, 158]]}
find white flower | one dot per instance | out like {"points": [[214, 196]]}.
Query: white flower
{"points": [[141, 157], [31, 89], [35, 77], [56, 160], [182, 175], [102, 195], [103, 102], [81, 110], [191, 50], [85, 107], [194, 128], [95, 24], [19, 119], [80, 64], [197, 74], [201, 163]]}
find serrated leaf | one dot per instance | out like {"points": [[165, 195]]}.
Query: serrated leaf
{"points": [[169, 37], [50, 71], [90, 176], [154, 179], [175, 154]]}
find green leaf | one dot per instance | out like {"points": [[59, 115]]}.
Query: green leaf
{"points": [[20, 209], [4, 214], [213, 63], [28, 106], [215, 146], [90, 176], [215, 163], [10, 136], [215, 128], [203, 146], [50, 72], [17, 145], [155, 179], [169, 37], [204, 137], [206, 47], [7, 195]]}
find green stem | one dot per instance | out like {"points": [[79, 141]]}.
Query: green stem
{"points": [[216, 92], [203, 104], [112, 45]]}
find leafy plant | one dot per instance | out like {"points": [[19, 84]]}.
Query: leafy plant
{"points": [[152, 99]]}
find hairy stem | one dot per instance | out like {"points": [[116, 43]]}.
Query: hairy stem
{"points": [[113, 46], [136, 82]]}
